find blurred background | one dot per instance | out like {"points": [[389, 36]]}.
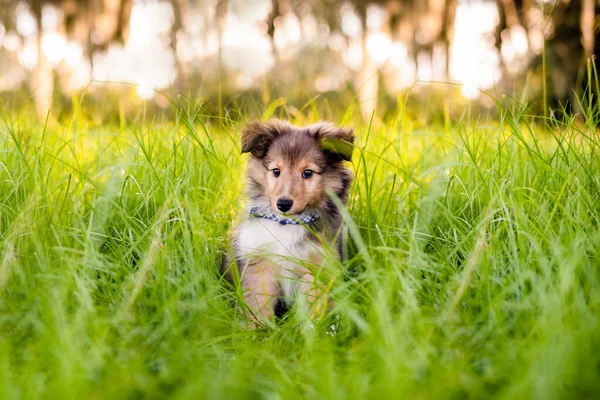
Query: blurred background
{"points": [[237, 54]]}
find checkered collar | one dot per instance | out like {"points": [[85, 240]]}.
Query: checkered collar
{"points": [[306, 218]]}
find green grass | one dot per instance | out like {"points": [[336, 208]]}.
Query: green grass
{"points": [[473, 267]]}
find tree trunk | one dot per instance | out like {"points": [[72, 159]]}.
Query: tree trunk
{"points": [[42, 77], [221, 17], [448, 21], [176, 27], [124, 17], [367, 79], [275, 12], [587, 27]]}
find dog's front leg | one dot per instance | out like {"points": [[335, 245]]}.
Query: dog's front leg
{"points": [[261, 288], [315, 294]]}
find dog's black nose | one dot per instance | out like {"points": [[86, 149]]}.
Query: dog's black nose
{"points": [[284, 204]]}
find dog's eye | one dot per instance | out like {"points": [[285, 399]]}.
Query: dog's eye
{"points": [[276, 172], [307, 173]]}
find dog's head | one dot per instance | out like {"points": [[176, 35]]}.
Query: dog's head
{"points": [[291, 168]]}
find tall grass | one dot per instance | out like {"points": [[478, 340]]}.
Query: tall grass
{"points": [[473, 267]]}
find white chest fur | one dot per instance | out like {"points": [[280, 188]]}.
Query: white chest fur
{"points": [[286, 246], [270, 237]]}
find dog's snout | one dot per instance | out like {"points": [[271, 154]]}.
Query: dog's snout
{"points": [[284, 204]]}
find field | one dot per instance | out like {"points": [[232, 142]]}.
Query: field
{"points": [[473, 262]]}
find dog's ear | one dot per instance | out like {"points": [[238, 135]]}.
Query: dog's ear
{"points": [[337, 142], [258, 136]]}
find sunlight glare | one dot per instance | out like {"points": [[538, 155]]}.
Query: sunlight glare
{"points": [[51, 18], [350, 23], [54, 47], [247, 49], [326, 83], [336, 42], [25, 23], [518, 39], [399, 54], [470, 92], [475, 61], [376, 17], [308, 25], [145, 60], [145, 92], [291, 27], [74, 54], [11, 41], [353, 55], [244, 82], [379, 47], [287, 33], [28, 56]]}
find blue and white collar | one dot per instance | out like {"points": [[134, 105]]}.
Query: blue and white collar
{"points": [[305, 218]]}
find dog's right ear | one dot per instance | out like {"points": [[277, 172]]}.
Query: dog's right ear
{"points": [[258, 136], [336, 142]]}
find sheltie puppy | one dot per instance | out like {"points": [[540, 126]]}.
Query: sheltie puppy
{"points": [[293, 175]]}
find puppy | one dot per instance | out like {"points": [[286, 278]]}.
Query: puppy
{"points": [[291, 173]]}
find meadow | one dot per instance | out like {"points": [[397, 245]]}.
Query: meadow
{"points": [[472, 271]]}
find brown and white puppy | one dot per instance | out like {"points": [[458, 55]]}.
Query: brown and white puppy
{"points": [[291, 173]]}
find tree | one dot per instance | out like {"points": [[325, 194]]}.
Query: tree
{"points": [[570, 29], [94, 23]]}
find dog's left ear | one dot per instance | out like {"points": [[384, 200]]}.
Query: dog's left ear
{"points": [[337, 142]]}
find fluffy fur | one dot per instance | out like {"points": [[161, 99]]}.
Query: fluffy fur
{"points": [[271, 257]]}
